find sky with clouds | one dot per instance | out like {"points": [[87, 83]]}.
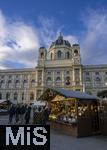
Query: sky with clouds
{"points": [[25, 25]]}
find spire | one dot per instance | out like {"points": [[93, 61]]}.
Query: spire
{"points": [[60, 36]]}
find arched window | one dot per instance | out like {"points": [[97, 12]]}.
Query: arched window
{"points": [[7, 96], [59, 53], [0, 96], [33, 83], [75, 52], [32, 96], [51, 56], [15, 96], [42, 54], [67, 55], [67, 80]]}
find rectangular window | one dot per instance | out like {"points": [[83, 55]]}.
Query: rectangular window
{"points": [[96, 73], [87, 73]]}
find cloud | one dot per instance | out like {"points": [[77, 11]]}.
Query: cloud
{"points": [[19, 43], [49, 30], [93, 41], [71, 38]]}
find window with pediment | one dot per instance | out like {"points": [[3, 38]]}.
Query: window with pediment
{"points": [[58, 81], [2, 84], [17, 83], [49, 80], [9, 84], [7, 96], [33, 83], [15, 96], [32, 96], [98, 81], [25, 83]]}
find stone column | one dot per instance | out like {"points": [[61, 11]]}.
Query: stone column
{"points": [[43, 77], [36, 78], [63, 81], [73, 76], [53, 78]]}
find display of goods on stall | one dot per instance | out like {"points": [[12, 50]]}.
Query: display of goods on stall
{"points": [[63, 109], [71, 110]]}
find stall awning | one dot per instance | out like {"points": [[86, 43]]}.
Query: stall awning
{"points": [[75, 94], [51, 93]]}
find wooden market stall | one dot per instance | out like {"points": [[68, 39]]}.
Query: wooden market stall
{"points": [[73, 112], [103, 117]]}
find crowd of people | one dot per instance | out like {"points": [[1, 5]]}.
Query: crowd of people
{"points": [[27, 114]]}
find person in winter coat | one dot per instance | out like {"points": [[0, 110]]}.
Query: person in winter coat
{"points": [[46, 113], [27, 114], [11, 113], [17, 113], [22, 113]]}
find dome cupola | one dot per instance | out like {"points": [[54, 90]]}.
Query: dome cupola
{"points": [[60, 41]]}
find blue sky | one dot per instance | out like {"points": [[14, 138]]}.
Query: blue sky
{"points": [[27, 24]]}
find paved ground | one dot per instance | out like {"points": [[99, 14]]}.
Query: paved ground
{"points": [[64, 142]]}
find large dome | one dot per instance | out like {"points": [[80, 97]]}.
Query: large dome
{"points": [[60, 41]]}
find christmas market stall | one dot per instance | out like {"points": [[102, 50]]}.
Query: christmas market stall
{"points": [[103, 116], [103, 111], [73, 112]]}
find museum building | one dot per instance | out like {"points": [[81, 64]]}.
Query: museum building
{"points": [[58, 67]]}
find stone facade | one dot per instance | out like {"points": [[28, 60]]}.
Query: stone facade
{"points": [[59, 67]]}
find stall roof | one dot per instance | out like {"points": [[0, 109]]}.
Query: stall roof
{"points": [[75, 94]]}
